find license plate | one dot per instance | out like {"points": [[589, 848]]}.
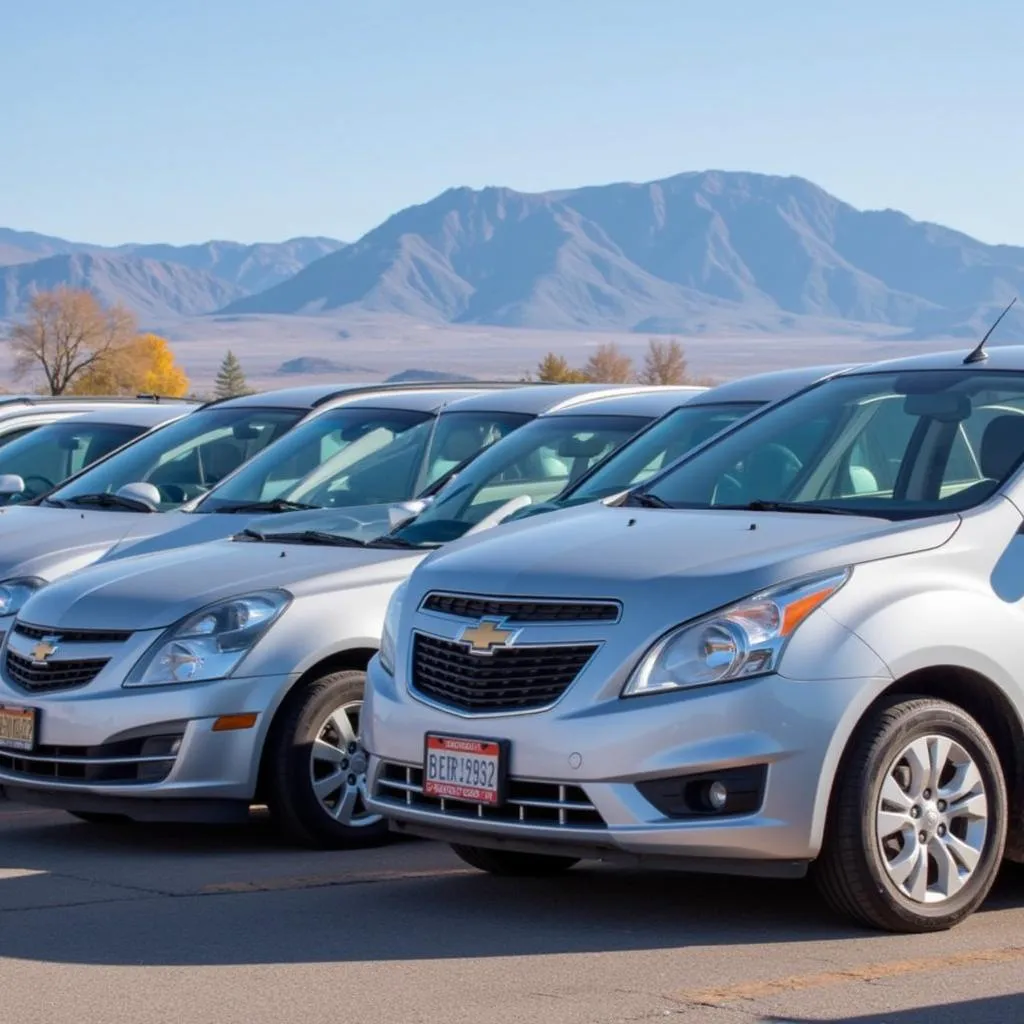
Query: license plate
{"points": [[465, 768], [18, 728]]}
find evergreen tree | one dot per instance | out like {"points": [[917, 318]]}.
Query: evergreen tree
{"points": [[230, 381]]}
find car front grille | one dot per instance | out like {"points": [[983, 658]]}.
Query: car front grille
{"points": [[521, 610], [73, 636], [145, 759], [51, 675], [528, 802], [521, 678]]}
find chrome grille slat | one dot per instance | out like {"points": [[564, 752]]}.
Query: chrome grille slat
{"points": [[511, 678], [468, 606], [73, 636], [529, 801], [51, 675], [120, 762]]}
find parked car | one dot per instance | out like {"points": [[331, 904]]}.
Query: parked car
{"points": [[40, 459], [21, 414], [186, 684], [653, 449], [795, 649], [363, 456], [112, 501]]}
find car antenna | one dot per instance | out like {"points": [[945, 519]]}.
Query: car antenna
{"points": [[978, 354]]}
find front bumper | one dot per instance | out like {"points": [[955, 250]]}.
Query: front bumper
{"points": [[597, 754], [150, 753]]}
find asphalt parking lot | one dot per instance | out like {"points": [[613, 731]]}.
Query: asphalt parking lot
{"points": [[147, 924]]}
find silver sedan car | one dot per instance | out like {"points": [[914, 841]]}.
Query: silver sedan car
{"points": [[185, 684], [797, 649]]}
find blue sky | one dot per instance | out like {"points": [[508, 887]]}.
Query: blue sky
{"points": [[182, 120]]}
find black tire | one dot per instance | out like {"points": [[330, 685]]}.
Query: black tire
{"points": [[850, 872], [510, 864], [293, 805], [98, 818]]}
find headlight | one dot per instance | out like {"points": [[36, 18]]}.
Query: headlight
{"points": [[211, 643], [390, 631], [746, 639], [14, 593]]}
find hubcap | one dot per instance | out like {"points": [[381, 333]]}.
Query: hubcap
{"points": [[932, 819], [337, 768]]}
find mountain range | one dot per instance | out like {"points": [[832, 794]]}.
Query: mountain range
{"points": [[156, 281], [700, 253]]}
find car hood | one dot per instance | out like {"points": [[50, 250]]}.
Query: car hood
{"points": [[36, 540], [156, 590], [698, 560], [364, 522]]}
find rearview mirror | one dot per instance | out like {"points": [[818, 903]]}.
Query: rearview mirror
{"points": [[142, 492], [944, 406], [11, 483]]}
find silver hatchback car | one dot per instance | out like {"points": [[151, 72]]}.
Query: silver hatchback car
{"points": [[798, 648]]}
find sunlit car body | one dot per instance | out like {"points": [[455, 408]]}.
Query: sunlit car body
{"points": [[144, 718], [798, 646], [112, 502], [44, 457]]}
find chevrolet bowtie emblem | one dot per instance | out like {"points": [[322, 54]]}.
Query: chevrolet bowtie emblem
{"points": [[486, 635], [43, 650]]}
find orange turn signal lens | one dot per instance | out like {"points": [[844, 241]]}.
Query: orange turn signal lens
{"points": [[795, 613], [229, 723]]}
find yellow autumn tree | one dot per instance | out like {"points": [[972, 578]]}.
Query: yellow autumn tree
{"points": [[143, 366]]}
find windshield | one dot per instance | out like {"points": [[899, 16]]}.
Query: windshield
{"points": [[896, 445], [538, 462], [189, 456], [52, 453], [370, 472], [657, 448], [317, 442]]}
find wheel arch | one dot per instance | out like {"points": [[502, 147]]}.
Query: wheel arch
{"points": [[348, 659], [989, 705]]}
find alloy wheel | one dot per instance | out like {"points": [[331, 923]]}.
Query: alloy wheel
{"points": [[932, 819], [337, 768]]}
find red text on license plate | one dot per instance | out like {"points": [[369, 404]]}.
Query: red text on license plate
{"points": [[460, 768]]}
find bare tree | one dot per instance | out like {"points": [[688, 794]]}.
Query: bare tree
{"points": [[664, 363], [609, 366], [65, 334]]}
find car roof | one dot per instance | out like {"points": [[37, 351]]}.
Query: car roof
{"points": [[21, 405], [131, 415], [652, 401], [412, 398], [768, 387], [535, 399], [313, 396], [1000, 357]]}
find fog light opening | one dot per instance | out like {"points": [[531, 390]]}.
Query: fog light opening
{"points": [[717, 795]]}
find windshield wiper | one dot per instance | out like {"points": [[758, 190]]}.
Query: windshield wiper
{"points": [[273, 505], [646, 500], [759, 505], [335, 540], [390, 541], [105, 500]]}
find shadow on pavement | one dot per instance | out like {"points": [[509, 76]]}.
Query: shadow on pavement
{"points": [[991, 1010]]}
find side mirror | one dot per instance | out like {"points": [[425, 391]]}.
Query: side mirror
{"points": [[11, 483], [403, 511], [144, 493], [501, 513]]}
